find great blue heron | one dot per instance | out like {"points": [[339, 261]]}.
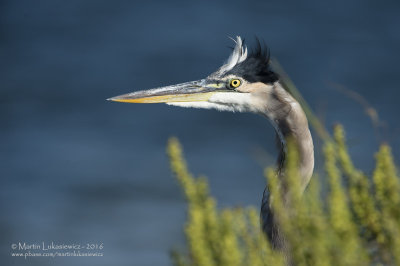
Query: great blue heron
{"points": [[246, 83]]}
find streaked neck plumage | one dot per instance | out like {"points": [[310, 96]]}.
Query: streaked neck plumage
{"points": [[289, 121]]}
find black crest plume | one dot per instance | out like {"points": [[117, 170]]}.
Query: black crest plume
{"points": [[256, 66]]}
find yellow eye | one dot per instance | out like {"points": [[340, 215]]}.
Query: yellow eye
{"points": [[235, 83]]}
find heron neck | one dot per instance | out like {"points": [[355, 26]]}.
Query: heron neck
{"points": [[290, 121]]}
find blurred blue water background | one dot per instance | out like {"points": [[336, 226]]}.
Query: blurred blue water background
{"points": [[78, 169]]}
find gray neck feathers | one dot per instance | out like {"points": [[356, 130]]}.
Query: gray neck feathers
{"points": [[289, 120]]}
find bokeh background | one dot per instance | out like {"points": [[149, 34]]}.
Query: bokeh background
{"points": [[78, 169]]}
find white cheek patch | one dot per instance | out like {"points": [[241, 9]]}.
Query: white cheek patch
{"points": [[230, 98], [224, 101], [203, 105], [240, 102]]}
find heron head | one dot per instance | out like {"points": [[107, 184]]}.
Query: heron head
{"points": [[241, 84]]}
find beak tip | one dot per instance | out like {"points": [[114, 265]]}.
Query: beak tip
{"points": [[117, 99]]}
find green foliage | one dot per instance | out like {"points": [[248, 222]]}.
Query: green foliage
{"points": [[357, 222], [227, 237]]}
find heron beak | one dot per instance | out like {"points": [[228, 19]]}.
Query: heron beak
{"points": [[194, 91]]}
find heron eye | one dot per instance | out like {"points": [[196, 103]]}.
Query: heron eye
{"points": [[234, 83]]}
